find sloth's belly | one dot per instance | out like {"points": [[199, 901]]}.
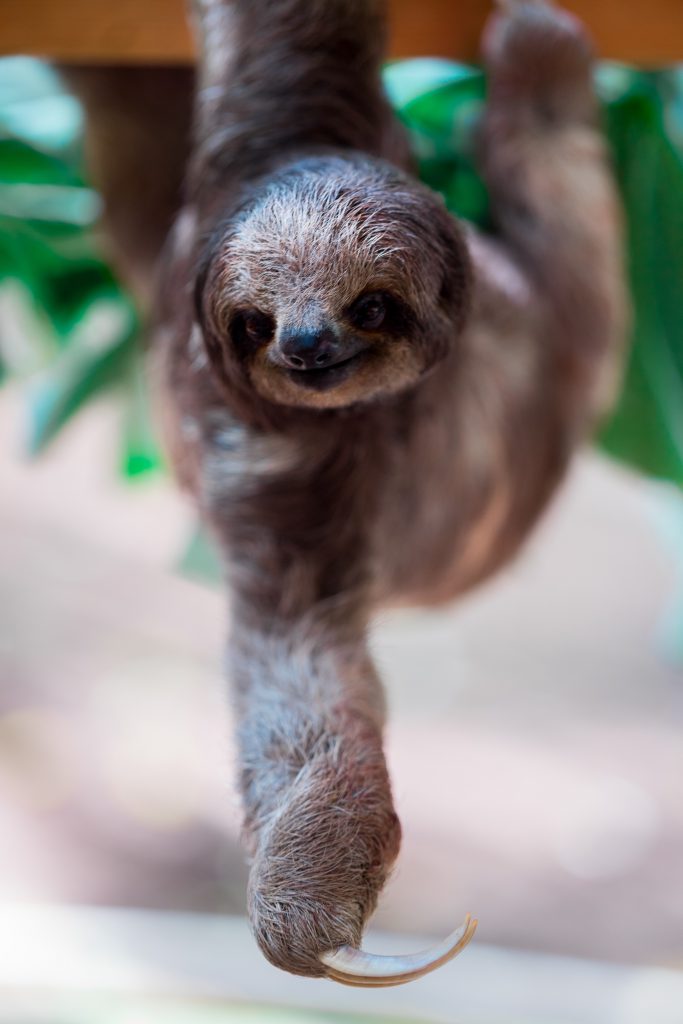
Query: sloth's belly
{"points": [[437, 557], [468, 486]]}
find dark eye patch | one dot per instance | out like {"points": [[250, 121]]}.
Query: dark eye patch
{"points": [[252, 328], [380, 311], [369, 312]]}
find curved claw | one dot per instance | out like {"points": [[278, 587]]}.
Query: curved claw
{"points": [[351, 966]]}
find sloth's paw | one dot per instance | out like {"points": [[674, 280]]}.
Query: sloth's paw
{"points": [[540, 53], [321, 863]]}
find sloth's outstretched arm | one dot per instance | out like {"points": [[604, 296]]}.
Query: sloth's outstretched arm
{"points": [[319, 819]]}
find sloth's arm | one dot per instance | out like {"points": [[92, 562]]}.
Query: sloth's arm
{"points": [[278, 78], [319, 819], [539, 358], [554, 199]]}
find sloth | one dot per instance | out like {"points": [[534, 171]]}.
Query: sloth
{"points": [[370, 401]]}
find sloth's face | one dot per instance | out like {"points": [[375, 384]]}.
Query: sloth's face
{"points": [[338, 283]]}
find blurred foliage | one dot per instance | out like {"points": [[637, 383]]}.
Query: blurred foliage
{"points": [[81, 337], [643, 116], [85, 337]]}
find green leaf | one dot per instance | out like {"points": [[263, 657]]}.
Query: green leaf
{"points": [[22, 163], [62, 273], [27, 340], [95, 358], [141, 452], [408, 80], [201, 560], [440, 104], [646, 428], [57, 204], [70, 295], [34, 107]]}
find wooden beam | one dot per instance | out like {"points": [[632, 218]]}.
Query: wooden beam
{"points": [[647, 32]]}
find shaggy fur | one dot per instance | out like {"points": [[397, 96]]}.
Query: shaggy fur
{"points": [[414, 469]]}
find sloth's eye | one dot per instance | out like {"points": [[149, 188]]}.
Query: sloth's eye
{"points": [[258, 327], [369, 312]]}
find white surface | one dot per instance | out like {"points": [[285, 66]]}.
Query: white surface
{"points": [[52, 950]]}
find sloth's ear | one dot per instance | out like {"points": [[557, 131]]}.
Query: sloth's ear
{"points": [[216, 349], [456, 272], [450, 287], [201, 277]]}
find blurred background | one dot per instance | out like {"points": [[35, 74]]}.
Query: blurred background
{"points": [[536, 729]]}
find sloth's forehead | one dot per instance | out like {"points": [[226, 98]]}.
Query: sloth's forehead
{"points": [[287, 247], [304, 233]]}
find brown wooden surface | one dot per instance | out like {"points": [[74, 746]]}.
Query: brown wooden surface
{"points": [[155, 31]]}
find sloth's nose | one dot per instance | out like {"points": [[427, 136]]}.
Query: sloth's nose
{"points": [[310, 349]]}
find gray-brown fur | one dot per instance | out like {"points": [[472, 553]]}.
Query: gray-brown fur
{"points": [[423, 470]]}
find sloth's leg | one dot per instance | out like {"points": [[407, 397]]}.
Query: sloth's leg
{"points": [[137, 141], [553, 194]]}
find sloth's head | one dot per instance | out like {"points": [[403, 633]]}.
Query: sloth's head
{"points": [[337, 282]]}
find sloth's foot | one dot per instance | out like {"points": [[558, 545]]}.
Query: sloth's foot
{"points": [[323, 857], [540, 55]]}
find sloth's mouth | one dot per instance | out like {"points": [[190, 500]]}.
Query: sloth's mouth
{"points": [[329, 376]]}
